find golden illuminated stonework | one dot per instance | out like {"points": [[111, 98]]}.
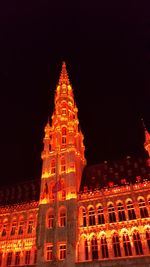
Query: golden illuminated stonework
{"points": [[77, 215]]}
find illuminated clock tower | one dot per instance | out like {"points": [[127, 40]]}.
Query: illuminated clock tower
{"points": [[63, 163]]}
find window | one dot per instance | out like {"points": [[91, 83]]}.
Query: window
{"points": [[84, 217], [49, 253], [94, 248], [4, 228], [116, 245], [62, 252], [104, 247], [137, 243], [63, 165], [9, 259], [50, 219], [35, 256], [53, 167], [121, 212], [111, 212], [64, 111], [62, 217], [1, 257], [17, 258], [126, 245], [64, 133], [143, 209], [91, 216], [148, 238], [30, 227], [13, 229], [86, 250], [131, 212], [27, 257], [100, 215], [20, 230]]}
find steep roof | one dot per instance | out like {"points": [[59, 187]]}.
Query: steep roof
{"points": [[115, 173], [24, 192]]}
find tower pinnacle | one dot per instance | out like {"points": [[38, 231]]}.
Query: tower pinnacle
{"points": [[147, 140], [64, 75]]}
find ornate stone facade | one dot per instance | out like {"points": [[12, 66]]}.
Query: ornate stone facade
{"points": [[77, 215]]}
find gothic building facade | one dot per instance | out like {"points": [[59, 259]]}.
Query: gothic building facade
{"points": [[77, 215]]}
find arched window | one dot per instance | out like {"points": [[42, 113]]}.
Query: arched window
{"points": [[53, 166], [62, 217], [100, 215], [94, 248], [126, 244], [86, 249], [111, 212], [63, 164], [131, 211], [137, 243], [9, 259], [30, 225], [116, 245], [21, 226], [13, 227], [51, 191], [84, 216], [143, 209], [121, 212], [147, 233], [91, 216], [4, 229], [50, 218], [64, 133], [104, 247]]}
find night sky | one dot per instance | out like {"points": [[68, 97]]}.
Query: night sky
{"points": [[106, 46]]}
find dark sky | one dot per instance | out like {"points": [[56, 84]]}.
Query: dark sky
{"points": [[106, 45]]}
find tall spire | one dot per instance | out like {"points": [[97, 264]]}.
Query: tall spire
{"points": [[64, 75], [147, 138]]}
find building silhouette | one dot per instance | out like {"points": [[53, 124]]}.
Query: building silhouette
{"points": [[77, 215]]}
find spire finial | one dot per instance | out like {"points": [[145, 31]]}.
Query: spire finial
{"points": [[64, 75]]}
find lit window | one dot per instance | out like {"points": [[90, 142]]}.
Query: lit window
{"points": [[62, 217], [121, 212], [50, 219], [13, 229], [137, 243], [100, 215], [9, 259], [30, 227], [4, 228], [17, 258], [116, 245], [64, 111], [111, 212], [20, 230], [86, 250], [143, 209], [62, 252], [91, 216], [27, 257], [94, 248], [126, 245], [131, 212], [1, 257], [148, 238], [84, 217], [35, 256], [104, 246], [63, 165], [53, 167], [64, 133], [49, 253]]}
